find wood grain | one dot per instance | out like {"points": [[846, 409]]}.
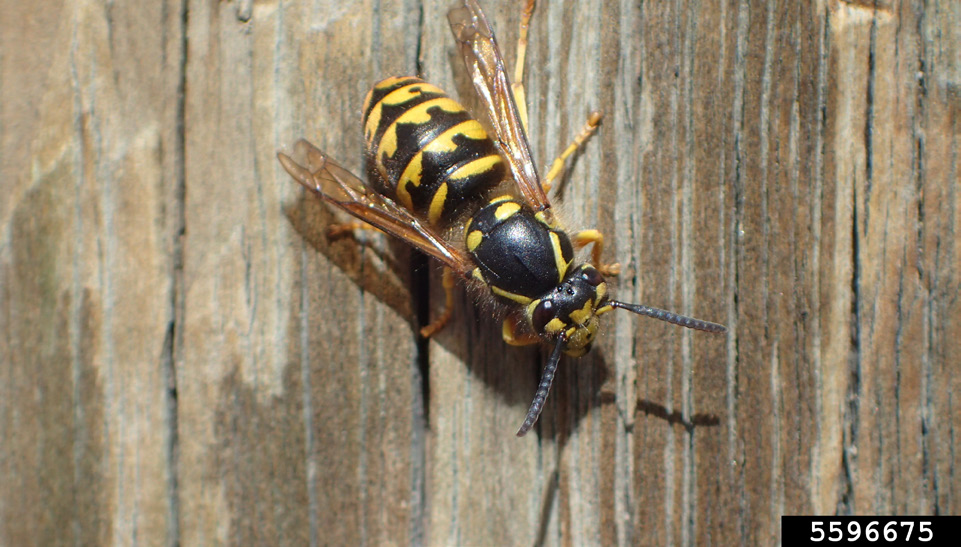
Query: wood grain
{"points": [[187, 359]]}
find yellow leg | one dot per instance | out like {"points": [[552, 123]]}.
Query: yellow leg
{"points": [[520, 97], [514, 335], [586, 237], [437, 324], [592, 122], [342, 229]]}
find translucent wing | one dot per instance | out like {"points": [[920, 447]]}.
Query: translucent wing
{"points": [[477, 45], [340, 187]]}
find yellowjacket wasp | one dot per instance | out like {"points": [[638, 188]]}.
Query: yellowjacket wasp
{"points": [[435, 170]]}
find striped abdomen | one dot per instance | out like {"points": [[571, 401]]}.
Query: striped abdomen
{"points": [[430, 153]]}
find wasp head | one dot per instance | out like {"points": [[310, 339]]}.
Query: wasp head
{"points": [[568, 316], [570, 310]]}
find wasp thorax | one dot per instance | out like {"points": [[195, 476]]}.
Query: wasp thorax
{"points": [[571, 309]]}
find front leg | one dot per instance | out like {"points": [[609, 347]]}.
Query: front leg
{"points": [[586, 237], [515, 332]]}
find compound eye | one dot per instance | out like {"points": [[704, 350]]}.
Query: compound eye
{"points": [[542, 315], [592, 276]]}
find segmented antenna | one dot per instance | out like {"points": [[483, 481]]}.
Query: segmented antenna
{"points": [[670, 317], [547, 378]]}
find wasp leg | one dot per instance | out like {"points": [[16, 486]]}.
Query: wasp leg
{"points": [[335, 231], [520, 98], [518, 85], [592, 122], [515, 335], [586, 237], [441, 321]]}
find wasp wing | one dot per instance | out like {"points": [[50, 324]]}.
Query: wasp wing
{"points": [[477, 45], [340, 187]]}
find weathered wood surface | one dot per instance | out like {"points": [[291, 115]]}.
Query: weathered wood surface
{"points": [[186, 358]]}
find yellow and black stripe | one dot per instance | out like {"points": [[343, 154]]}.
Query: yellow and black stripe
{"points": [[428, 151]]}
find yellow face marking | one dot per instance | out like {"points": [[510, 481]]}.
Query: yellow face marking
{"points": [[601, 291], [603, 309], [475, 167], [474, 239], [554, 325], [582, 315], [532, 306], [476, 274], [505, 211], [416, 115], [578, 338], [575, 352], [519, 298], [437, 204], [558, 257]]}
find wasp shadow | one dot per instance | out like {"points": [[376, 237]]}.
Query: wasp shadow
{"points": [[397, 276], [474, 336], [376, 265], [656, 410]]}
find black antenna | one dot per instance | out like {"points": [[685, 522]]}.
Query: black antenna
{"points": [[670, 317], [547, 378]]}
